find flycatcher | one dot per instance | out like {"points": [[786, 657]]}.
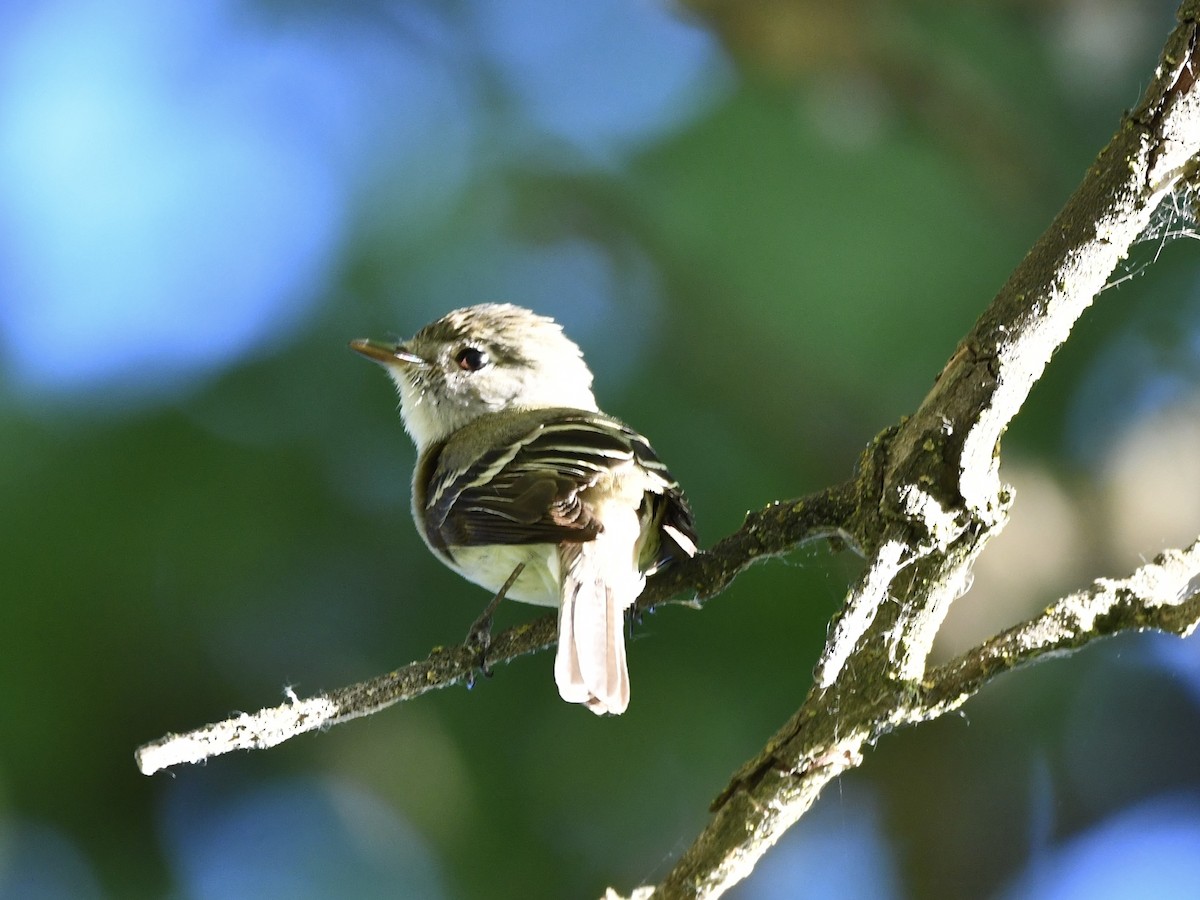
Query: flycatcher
{"points": [[521, 480]]}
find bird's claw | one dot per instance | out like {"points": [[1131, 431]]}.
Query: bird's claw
{"points": [[479, 637]]}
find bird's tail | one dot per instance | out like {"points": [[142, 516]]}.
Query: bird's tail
{"points": [[600, 580]]}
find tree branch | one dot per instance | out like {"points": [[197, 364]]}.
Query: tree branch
{"points": [[828, 734], [941, 498]]}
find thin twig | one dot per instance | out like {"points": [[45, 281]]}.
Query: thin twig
{"points": [[776, 529], [1163, 595]]}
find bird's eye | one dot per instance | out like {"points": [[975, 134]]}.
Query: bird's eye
{"points": [[471, 359]]}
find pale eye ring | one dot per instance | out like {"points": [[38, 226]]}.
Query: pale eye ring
{"points": [[471, 359]]}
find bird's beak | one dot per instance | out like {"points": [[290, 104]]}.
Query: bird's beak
{"points": [[386, 354]]}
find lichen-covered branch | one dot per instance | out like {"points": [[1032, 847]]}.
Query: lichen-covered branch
{"points": [[940, 498], [833, 729]]}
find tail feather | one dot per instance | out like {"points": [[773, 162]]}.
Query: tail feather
{"points": [[567, 674], [600, 581]]}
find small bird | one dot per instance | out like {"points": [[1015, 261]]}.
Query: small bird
{"points": [[524, 487]]}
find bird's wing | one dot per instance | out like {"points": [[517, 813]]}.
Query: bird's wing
{"points": [[528, 489]]}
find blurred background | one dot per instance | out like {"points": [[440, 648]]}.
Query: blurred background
{"points": [[767, 223]]}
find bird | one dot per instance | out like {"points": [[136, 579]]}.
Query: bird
{"points": [[524, 487]]}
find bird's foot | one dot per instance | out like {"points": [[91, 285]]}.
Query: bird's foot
{"points": [[479, 636]]}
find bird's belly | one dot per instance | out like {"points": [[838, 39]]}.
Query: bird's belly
{"points": [[491, 566]]}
